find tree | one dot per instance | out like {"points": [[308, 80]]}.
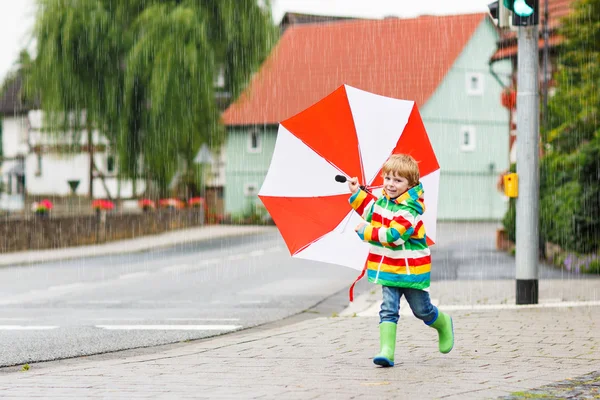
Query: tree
{"points": [[143, 71], [570, 171]]}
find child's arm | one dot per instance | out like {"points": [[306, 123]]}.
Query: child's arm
{"points": [[363, 202], [400, 230]]}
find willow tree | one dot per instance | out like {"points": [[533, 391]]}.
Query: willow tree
{"points": [[144, 70]]}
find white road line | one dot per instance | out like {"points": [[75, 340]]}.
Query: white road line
{"points": [[15, 319], [236, 257], [26, 327], [190, 267], [202, 319], [170, 327], [134, 275], [112, 302], [274, 249], [253, 302], [257, 253], [176, 268]]}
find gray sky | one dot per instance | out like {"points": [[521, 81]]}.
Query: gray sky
{"points": [[17, 16]]}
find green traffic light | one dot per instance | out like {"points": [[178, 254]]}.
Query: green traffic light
{"points": [[521, 8]]}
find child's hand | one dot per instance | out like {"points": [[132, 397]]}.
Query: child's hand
{"points": [[353, 185], [360, 227]]}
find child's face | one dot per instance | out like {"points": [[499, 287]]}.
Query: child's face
{"points": [[394, 185]]}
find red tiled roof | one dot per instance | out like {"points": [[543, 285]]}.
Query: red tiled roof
{"points": [[401, 58], [557, 9]]}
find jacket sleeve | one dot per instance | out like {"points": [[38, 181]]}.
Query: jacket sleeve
{"points": [[400, 230], [362, 202]]}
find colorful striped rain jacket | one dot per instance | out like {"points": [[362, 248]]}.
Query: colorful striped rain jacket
{"points": [[399, 254]]}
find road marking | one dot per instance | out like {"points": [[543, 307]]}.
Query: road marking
{"points": [[15, 319], [26, 327], [170, 327], [235, 257], [253, 302], [133, 275], [202, 319], [257, 253], [274, 249]]}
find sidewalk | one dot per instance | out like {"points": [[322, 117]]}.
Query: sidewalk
{"points": [[142, 243], [500, 349]]}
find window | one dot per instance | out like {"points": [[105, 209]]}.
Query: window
{"points": [[254, 141], [474, 83], [110, 163], [219, 81], [250, 190], [38, 166], [467, 138]]}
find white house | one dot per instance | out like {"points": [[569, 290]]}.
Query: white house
{"points": [[35, 162]]}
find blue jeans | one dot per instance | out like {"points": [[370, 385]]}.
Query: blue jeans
{"points": [[419, 302]]}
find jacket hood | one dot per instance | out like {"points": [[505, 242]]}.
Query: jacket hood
{"points": [[412, 198]]}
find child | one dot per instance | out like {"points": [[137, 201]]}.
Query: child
{"points": [[399, 258]]}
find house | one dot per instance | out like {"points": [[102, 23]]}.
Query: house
{"points": [[547, 45], [36, 164], [440, 62]]}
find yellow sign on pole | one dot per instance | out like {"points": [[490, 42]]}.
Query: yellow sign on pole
{"points": [[511, 185]]}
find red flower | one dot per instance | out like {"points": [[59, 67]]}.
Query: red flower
{"points": [[103, 204], [42, 206], [146, 204], [171, 203], [196, 202]]}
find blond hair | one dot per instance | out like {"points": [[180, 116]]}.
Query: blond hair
{"points": [[402, 165]]}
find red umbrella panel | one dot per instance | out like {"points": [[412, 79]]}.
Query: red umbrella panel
{"points": [[350, 132]]}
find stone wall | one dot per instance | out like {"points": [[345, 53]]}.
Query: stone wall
{"points": [[37, 233]]}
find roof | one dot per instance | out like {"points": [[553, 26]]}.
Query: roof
{"points": [[401, 58], [557, 9], [11, 102], [293, 18]]}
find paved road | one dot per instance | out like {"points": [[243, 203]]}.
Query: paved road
{"points": [[96, 305]]}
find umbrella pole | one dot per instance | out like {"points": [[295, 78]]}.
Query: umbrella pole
{"points": [[347, 219]]}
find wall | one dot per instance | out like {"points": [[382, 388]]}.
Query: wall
{"points": [[245, 167], [49, 233], [468, 177]]}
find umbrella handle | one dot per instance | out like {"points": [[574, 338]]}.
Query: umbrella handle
{"points": [[343, 179]]}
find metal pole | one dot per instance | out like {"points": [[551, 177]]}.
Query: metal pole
{"points": [[527, 166]]}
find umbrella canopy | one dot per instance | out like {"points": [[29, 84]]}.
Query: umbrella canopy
{"points": [[350, 132]]}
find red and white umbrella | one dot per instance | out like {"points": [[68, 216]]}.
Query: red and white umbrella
{"points": [[350, 132]]}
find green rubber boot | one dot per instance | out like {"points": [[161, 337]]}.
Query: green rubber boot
{"points": [[387, 340], [443, 324]]}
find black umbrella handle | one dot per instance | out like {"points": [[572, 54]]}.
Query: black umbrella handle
{"points": [[342, 179]]}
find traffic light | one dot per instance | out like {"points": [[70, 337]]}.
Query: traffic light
{"points": [[525, 12]]}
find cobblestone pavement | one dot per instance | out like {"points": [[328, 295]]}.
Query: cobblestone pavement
{"points": [[498, 352]]}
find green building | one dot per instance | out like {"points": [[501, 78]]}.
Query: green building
{"points": [[440, 62]]}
